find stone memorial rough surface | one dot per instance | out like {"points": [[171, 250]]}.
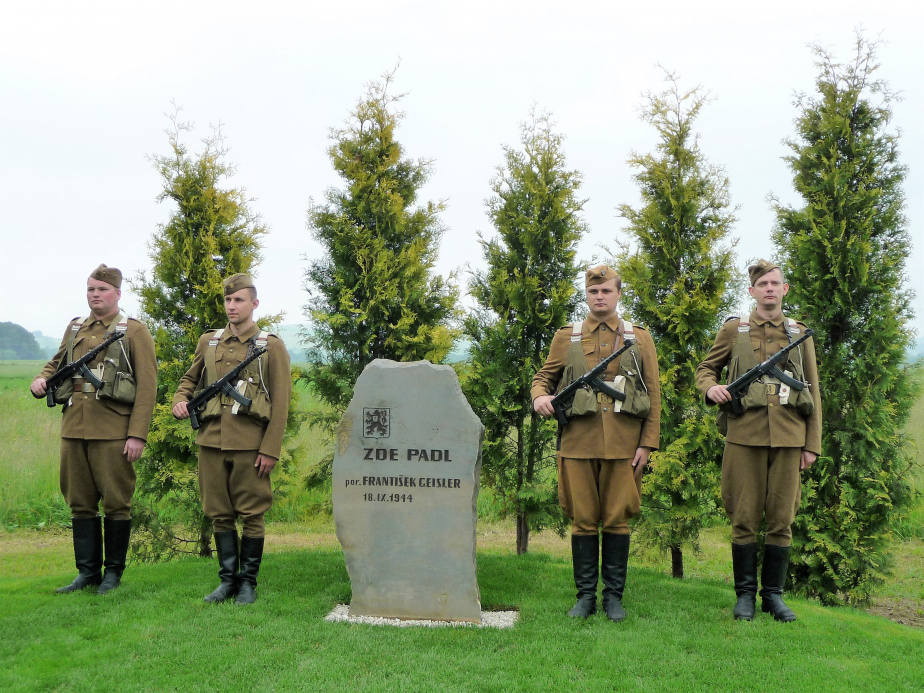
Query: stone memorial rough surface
{"points": [[405, 488]]}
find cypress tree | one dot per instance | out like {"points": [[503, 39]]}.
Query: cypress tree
{"points": [[374, 294], [525, 295], [211, 234], [679, 282], [844, 251]]}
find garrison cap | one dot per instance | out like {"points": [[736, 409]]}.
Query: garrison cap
{"points": [[110, 275], [237, 282], [762, 267], [599, 275]]}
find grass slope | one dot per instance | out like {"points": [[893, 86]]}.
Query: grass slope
{"points": [[156, 634]]}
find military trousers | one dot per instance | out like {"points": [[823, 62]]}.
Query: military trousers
{"points": [[598, 494], [94, 471], [230, 487], [757, 482]]}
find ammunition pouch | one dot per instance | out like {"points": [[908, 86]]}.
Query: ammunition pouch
{"points": [[251, 383], [743, 359], [115, 371], [629, 381]]}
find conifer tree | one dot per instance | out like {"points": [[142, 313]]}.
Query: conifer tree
{"points": [[211, 234], [374, 294], [844, 252], [679, 282], [525, 295]]}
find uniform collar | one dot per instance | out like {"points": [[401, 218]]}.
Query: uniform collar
{"points": [[244, 337], [614, 323], [755, 319], [106, 322]]}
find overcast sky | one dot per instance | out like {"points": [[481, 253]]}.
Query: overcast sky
{"points": [[84, 88]]}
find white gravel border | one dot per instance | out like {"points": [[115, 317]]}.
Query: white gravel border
{"points": [[489, 619]]}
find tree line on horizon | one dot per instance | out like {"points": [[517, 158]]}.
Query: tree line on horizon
{"points": [[374, 293]]}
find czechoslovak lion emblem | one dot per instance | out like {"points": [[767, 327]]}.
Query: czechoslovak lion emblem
{"points": [[376, 423]]}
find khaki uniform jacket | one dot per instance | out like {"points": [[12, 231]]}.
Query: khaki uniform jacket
{"points": [[775, 426], [239, 431], [604, 435], [89, 418]]}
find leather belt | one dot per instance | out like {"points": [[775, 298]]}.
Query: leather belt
{"points": [[82, 385]]}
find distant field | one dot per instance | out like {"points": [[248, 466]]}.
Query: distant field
{"points": [[29, 495], [29, 491]]}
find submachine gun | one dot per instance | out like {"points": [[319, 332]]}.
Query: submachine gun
{"points": [[78, 367], [222, 386], [739, 388], [590, 379]]}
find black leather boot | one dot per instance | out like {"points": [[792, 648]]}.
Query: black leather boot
{"points": [[585, 558], [115, 539], [744, 564], [226, 547], [88, 553], [773, 577], [251, 555], [614, 564]]}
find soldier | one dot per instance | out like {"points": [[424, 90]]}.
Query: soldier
{"points": [[238, 446], [605, 447], [778, 434], [103, 432]]}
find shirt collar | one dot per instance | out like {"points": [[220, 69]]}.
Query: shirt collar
{"points": [[106, 322], [755, 319], [614, 323], [228, 335]]}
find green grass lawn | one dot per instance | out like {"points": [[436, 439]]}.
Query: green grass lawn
{"points": [[156, 634]]}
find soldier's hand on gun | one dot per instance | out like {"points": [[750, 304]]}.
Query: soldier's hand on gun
{"points": [[808, 459], [180, 410], [133, 449], [39, 387], [264, 465], [640, 460], [718, 394], [543, 405]]}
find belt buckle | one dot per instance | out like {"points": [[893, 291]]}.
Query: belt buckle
{"points": [[771, 388], [604, 398], [87, 387]]}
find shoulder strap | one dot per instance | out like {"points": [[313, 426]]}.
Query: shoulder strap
{"points": [[120, 324], [576, 331], [261, 339], [76, 324], [213, 342]]}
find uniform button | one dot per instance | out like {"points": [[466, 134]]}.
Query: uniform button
{"points": [[227, 363], [605, 409], [604, 344], [603, 328]]}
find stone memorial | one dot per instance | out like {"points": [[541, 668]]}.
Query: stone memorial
{"points": [[405, 488]]}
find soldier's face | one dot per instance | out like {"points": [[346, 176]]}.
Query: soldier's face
{"points": [[239, 307], [769, 290], [602, 299], [102, 298]]}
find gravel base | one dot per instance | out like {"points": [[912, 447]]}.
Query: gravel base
{"points": [[489, 619]]}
